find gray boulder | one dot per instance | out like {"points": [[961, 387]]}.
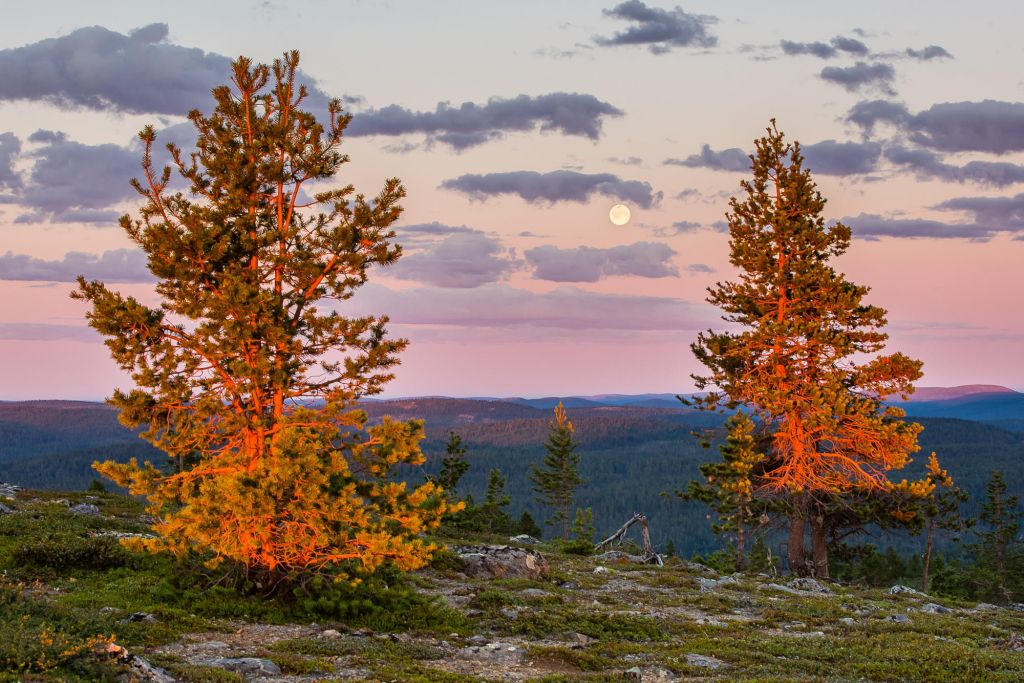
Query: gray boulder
{"points": [[899, 589], [705, 661], [87, 509], [501, 562], [808, 585], [247, 665]]}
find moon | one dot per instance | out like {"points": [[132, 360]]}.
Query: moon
{"points": [[619, 215]]}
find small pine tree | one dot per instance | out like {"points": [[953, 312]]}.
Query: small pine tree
{"points": [[941, 509], [555, 481], [1001, 517], [728, 485], [583, 525], [670, 548], [527, 525], [453, 466], [495, 502]]}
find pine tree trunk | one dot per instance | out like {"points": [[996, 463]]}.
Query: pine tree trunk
{"points": [[740, 538], [928, 555], [795, 546], [819, 547], [565, 523]]}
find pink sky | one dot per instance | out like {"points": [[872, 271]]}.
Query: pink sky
{"points": [[926, 120]]}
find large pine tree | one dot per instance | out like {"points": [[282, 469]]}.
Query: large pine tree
{"points": [[245, 371], [803, 353]]}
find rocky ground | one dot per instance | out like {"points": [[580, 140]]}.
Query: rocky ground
{"points": [[601, 621], [530, 613]]}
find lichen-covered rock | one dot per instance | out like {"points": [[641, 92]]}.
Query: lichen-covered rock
{"points": [[501, 562], [247, 665], [87, 509], [899, 589], [705, 662], [524, 539], [809, 585]]}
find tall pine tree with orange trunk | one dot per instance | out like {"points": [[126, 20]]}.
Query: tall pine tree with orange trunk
{"points": [[805, 355], [245, 372]]}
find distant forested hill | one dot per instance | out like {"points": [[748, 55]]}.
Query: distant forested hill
{"points": [[631, 454]]}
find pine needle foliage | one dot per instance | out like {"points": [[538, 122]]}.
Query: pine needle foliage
{"points": [[556, 479], [245, 371], [805, 353]]}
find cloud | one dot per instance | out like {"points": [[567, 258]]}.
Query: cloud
{"points": [[116, 265], [10, 148], [1003, 214], [829, 157], [825, 50], [74, 182], [659, 29], [589, 264], [627, 161], [699, 268], [497, 305], [555, 186], [732, 159], [688, 194], [470, 124], [929, 53], [46, 332], [460, 260], [985, 126], [682, 227], [874, 226], [926, 164], [861, 76], [850, 46], [139, 72], [870, 113]]}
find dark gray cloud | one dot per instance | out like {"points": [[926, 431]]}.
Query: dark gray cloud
{"points": [[839, 44], [999, 214], [461, 260], [470, 124], [590, 264], [817, 49], [498, 305], [732, 159], [928, 53], [699, 268], [10, 148], [985, 126], [555, 186], [74, 182], [850, 46], [861, 76], [869, 113], [138, 72], [829, 157], [116, 265], [873, 226], [926, 164], [659, 29], [688, 194]]}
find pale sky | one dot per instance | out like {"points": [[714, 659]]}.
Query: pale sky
{"points": [[515, 282]]}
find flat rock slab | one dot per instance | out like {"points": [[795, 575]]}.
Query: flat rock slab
{"points": [[501, 562], [247, 665]]}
